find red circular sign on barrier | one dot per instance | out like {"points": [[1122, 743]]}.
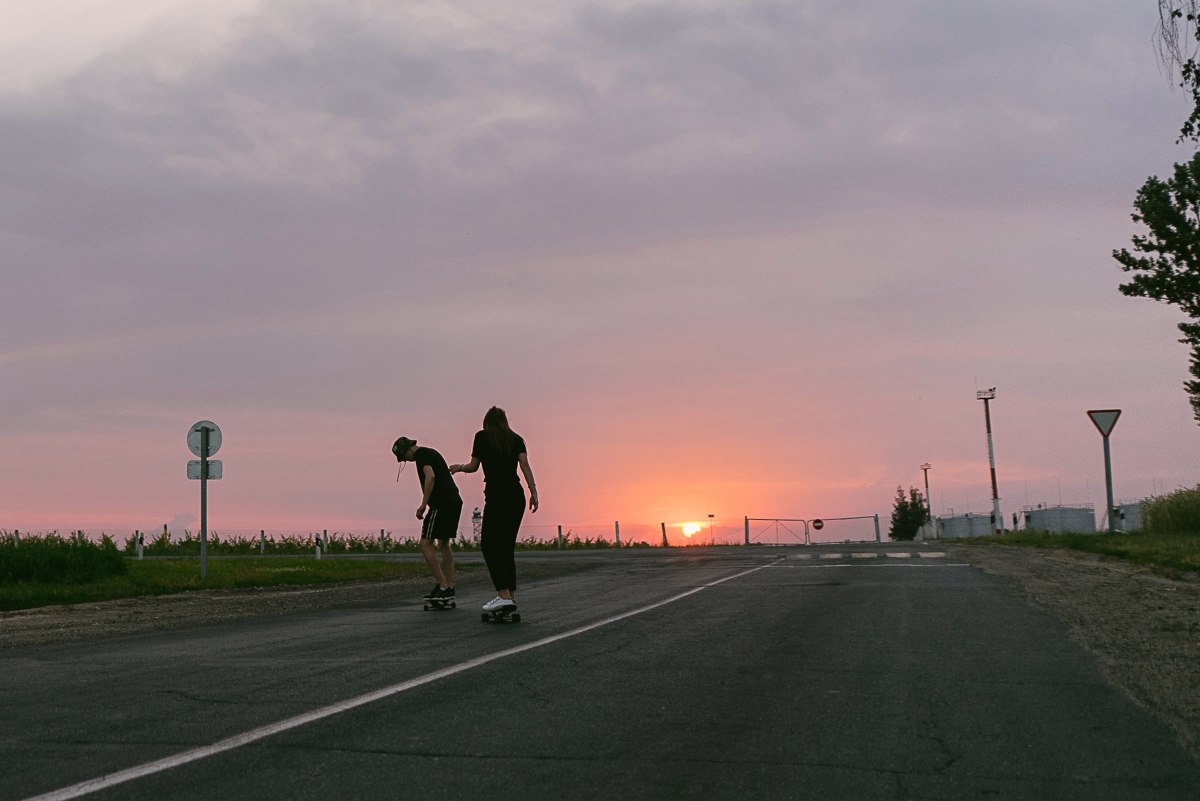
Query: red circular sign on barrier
{"points": [[818, 524]]}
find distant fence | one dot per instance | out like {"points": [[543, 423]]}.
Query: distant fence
{"points": [[811, 531], [777, 531]]}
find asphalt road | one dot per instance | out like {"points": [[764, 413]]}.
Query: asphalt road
{"points": [[857, 672]]}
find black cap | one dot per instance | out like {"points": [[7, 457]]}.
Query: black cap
{"points": [[401, 447]]}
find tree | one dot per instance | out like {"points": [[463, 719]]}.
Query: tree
{"points": [[1178, 37], [1170, 269], [908, 514]]}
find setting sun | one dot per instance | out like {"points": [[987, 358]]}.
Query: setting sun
{"points": [[689, 529]]}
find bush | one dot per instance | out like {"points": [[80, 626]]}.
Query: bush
{"points": [[51, 558], [1177, 513]]}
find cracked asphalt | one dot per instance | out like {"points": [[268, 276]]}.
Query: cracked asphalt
{"points": [[919, 678]]}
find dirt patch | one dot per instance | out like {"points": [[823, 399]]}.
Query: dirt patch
{"points": [[1143, 629]]}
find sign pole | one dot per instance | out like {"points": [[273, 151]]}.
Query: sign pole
{"points": [[203, 501], [1105, 420], [1108, 484]]}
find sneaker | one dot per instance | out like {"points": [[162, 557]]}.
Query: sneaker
{"points": [[499, 603], [433, 594], [448, 593]]}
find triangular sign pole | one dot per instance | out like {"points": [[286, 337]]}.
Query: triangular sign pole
{"points": [[1104, 420]]}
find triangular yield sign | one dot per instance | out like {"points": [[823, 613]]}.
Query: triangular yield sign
{"points": [[1104, 419]]}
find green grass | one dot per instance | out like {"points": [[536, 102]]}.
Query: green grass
{"points": [[168, 576], [1172, 555], [46, 569]]}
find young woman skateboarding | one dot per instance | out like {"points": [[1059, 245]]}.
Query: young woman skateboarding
{"points": [[501, 451]]}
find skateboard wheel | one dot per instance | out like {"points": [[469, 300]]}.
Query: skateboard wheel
{"points": [[516, 617], [484, 617]]}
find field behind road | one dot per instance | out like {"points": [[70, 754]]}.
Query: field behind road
{"points": [[864, 672]]}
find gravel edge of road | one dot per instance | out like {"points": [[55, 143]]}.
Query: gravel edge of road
{"points": [[1143, 628]]}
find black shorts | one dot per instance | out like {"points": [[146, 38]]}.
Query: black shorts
{"points": [[441, 522]]}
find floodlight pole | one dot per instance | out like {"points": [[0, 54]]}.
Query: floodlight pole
{"points": [[985, 396], [711, 541], [925, 468]]}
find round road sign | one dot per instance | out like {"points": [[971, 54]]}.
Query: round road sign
{"points": [[214, 438], [818, 524]]}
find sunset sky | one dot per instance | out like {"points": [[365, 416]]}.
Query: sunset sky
{"points": [[713, 257]]}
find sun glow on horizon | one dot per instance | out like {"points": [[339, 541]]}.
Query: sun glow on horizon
{"points": [[689, 529]]}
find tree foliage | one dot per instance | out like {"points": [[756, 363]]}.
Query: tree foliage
{"points": [[1178, 37], [1166, 265], [908, 514], [1168, 268]]}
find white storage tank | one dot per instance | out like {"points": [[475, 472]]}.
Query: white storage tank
{"points": [[967, 525], [1061, 519], [1129, 516]]}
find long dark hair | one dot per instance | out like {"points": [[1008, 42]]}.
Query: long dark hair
{"points": [[502, 438]]}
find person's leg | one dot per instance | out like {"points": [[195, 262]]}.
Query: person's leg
{"points": [[510, 544], [490, 540], [447, 562], [512, 512], [431, 559], [445, 529], [427, 549]]}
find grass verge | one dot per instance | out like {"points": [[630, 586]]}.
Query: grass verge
{"points": [[1172, 555], [168, 576]]}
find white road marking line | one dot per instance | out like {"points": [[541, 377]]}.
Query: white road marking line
{"points": [[864, 556], [831, 556], [262, 732], [892, 564], [903, 555], [876, 564], [933, 555]]}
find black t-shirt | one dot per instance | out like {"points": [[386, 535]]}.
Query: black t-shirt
{"points": [[444, 489], [499, 467]]}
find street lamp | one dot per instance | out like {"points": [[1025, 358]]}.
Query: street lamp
{"points": [[925, 468], [710, 530], [986, 395]]}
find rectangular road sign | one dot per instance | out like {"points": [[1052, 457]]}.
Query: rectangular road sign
{"points": [[1104, 419], [214, 469]]}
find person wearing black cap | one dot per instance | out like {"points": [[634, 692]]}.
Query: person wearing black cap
{"points": [[502, 453], [440, 508]]}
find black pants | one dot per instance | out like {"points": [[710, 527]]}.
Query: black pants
{"points": [[503, 508]]}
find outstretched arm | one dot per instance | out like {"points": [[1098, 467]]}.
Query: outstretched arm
{"points": [[467, 467], [523, 462]]}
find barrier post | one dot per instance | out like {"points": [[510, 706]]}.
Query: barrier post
{"points": [[262, 542], [664, 531], [617, 528], [747, 529], [560, 541]]}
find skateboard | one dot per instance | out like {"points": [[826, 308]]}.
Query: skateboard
{"points": [[439, 603], [509, 615]]}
